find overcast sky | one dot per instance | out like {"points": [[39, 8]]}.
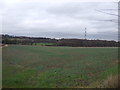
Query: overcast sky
{"points": [[59, 19]]}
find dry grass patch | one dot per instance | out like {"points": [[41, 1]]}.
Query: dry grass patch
{"points": [[111, 82]]}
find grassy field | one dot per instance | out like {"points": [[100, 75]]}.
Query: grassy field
{"points": [[44, 44], [63, 67]]}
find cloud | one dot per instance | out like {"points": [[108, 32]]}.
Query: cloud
{"points": [[59, 19]]}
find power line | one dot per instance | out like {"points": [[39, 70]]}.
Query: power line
{"points": [[85, 33], [109, 21], [108, 13]]}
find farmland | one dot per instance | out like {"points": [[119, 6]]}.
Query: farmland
{"points": [[27, 66]]}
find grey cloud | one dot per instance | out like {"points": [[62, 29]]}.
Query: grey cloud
{"points": [[59, 20]]}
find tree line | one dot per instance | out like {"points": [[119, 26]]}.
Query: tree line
{"points": [[21, 40]]}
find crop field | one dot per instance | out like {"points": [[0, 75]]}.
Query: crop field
{"points": [[44, 44], [25, 66]]}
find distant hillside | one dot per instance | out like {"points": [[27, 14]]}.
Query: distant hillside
{"points": [[8, 39]]}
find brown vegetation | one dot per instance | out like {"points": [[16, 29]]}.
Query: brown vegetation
{"points": [[111, 82]]}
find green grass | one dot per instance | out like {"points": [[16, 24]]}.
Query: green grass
{"points": [[49, 67], [44, 44], [0, 68]]}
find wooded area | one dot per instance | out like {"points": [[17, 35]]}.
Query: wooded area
{"points": [[22, 40]]}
